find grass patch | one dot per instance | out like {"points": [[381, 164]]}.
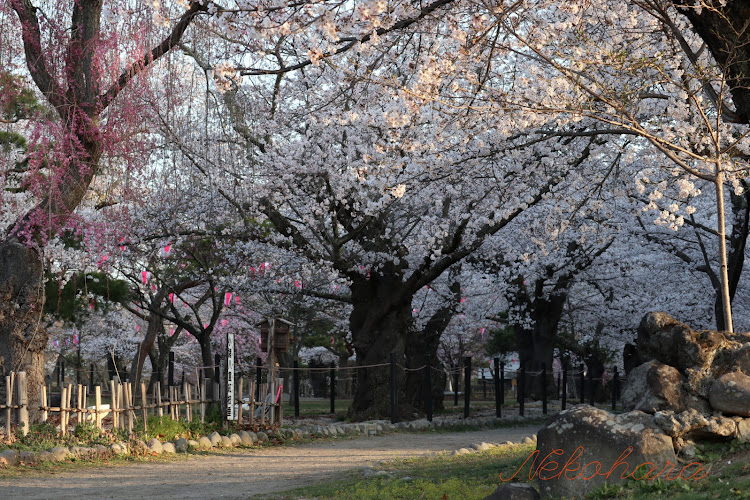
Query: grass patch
{"points": [[472, 476]]}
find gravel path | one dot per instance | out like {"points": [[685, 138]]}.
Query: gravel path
{"points": [[247, 473]]}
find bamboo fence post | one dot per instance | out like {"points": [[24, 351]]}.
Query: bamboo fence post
{"points": [[113, 404], [43, 399], [157, 390], [23, 403], [203, 400], [63, 399], [144, 406], [127, 406], [252, 401], [188, 389], [85, 402], [79, 402], [263, 388], [178, 401], [121, 405], [171, 402], [239, 404], [280, 416], [8, 402], [98, 406]]}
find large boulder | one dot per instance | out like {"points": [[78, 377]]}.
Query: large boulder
{"points": [[584, 447], [730, 394], [514, 491]]}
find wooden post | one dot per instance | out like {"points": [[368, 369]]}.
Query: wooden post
{"points": [[144, 407], [394, 394], [121, 404], [280, 415], [43, 399], [178, 401], [522, 389], [98, 406], [295, 376], [583, 381], [263, 404], [187, 389], [203, 399], [85, 399], [252, 401], [171, 402], [113, 404], [157, 393], [428, 389], [615, 389], [498, 391], [79, 404], [333, 387], [63, 400], [23, 403], [239, 403], [467, 385], [8, 402], [127, 406], [591, 387]]}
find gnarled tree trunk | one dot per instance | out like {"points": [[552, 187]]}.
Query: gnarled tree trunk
{"points": [[22, 336]]}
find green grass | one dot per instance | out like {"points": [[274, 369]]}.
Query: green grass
{"points": [[475, 476], [472, 476], [314, 407]]}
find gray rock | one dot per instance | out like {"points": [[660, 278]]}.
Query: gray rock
{"points": [[215, 438], [181, 445], [253, 436], [514, 491], [226, 442], [155, 446], [481, 446], [462, 451], [168, 447], [245, 438], [262, 437], [9, 457], [193, 444], [60, 453], [102, 450], [730, 394], [527, 440], [235, 438], [29, 457], [204, 443], [46, 456], [584, 436], [693, 425], [654, 386]]}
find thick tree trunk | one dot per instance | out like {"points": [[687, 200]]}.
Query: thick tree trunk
{"points": [[22, 337], [380, 323], [536, 345]]}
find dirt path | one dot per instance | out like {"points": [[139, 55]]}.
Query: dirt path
{"points": [[244, 474]]}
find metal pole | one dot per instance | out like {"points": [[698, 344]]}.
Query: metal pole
{"points": [[394, 396], [564, 383], [496, 377], [333, 387], [544, 388], [467, 385], [455, 384], [522, 389], [583, 381], [296, 388], [428, 387]]}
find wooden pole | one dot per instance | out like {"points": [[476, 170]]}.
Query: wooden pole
{"points": [[79, 404], [43, 399], [113, 404], [23, 403], [394, 394], [280, 414], [187, 389], [295, 376], [8, 402], [157, 393], [203, 399], [63, 400], [144, 407], [98, 406], [496, 377], [252, 401], [128, 403], [239, 404], [263, 404], [467, 385]]}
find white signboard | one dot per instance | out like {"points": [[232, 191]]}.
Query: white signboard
{"points": [[232, 409]]}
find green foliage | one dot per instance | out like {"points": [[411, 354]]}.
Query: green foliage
{"points": [[71, 302], [87, 432], [502, 341], [18, 101]]}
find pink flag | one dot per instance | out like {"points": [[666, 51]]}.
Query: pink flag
{"points": [[144, 276], [171, 298], [227, 298]]}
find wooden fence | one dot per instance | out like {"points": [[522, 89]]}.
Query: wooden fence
{"points": [[123, 412]]}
